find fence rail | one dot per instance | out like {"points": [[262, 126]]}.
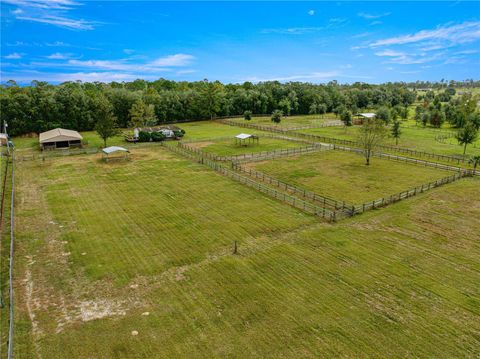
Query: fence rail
{"points": [[337, 141], [409, 193], [323, 201], [291, 200]]}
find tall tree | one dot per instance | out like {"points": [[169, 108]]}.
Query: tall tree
{"points": [[142, 115], [396, 131], [106, 122], [370, 135], [467, 135], [277, 116]]}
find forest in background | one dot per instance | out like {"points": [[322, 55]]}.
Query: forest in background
{"points": [[75, 105]]}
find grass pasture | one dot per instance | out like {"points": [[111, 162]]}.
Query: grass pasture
{"points": [[228, 147], [104, 250], [290, 121], [412, 137], [345, 177]]}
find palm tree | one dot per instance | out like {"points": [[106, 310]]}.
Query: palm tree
{"points": [[475, 160]]}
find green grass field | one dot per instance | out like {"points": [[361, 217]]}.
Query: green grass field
{"points": [[344, 176], [417, 138], [290, 121], [228, 147], [145, 246], [108, 250]]}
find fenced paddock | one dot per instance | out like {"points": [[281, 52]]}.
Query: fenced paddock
{"points": [[331, 140]]}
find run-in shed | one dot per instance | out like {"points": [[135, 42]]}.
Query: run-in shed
{"points": [[108, 151], [244, 139], [60, 138], [361, 117]]}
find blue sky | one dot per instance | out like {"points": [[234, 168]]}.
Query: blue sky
{"points": [[62, 40]]}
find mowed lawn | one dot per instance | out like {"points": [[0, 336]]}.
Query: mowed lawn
{"points": [[228, 147], [413, 137], [345, 177], [133, 260]]}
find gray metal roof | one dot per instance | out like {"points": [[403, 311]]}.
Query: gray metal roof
{"points": [[111, 149]]}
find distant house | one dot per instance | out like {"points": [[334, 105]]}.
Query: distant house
{"points": [[60, 138], [167, 130], [359, 118]]}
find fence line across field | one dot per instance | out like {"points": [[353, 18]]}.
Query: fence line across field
{"points": [[333, 140], [292, 200]]}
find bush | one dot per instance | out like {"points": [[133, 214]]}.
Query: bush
{"points": [[247, 115], [179, 133], [157, 136], [144, 136], [277, 116]]}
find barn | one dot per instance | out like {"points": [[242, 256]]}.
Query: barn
{"points": [[60, 138]]}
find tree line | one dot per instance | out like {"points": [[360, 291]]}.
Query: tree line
{"points": [[80, 106]]}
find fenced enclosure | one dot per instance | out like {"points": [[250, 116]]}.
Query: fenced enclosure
{"points": [[284, 197], [337, 141]]}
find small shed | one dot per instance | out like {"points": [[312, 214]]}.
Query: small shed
{"points": [[361, 117], [60, 138], [244, 139], [107, 152]]}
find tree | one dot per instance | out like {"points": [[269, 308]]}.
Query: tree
{"points": [[396, 131], [277, 116], [370, 135], [322, 109], [474, 161], [346, 118], [142, 115], [383, 113], [466, 136], [313, 110], [437, 118], [106, 122], [247, 115]]}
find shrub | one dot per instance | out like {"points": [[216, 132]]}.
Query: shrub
{"points": [[144, 136], [179, 133], [247, 115], [277, 116], [157, 136]]}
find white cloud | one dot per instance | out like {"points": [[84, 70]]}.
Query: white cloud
{"points": [[390, 53], [292, 30], [51, 12], [311, 12], [13, 56], [372, 16], [59, 56], [128, 51], [174, 60], [458, 34], [107, 76], [130, 65], [60, 21], [313, 76]]}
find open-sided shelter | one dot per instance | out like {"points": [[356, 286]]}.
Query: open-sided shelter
{"points": [[60, 138], [110, 152], [245, 139], [361, 117]]}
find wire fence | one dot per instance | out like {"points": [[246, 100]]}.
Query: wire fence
{"points": [[10, 272], [338, 141]]}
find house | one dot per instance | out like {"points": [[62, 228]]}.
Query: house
{"points": [[60, 138], [169, 131], [361, 117]]}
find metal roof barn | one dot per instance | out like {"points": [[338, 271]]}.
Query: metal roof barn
{"points": [[60, 138]]}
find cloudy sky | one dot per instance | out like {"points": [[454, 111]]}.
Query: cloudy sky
{"points": [[62, 40]]}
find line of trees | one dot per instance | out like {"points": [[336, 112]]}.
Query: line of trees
{"points": [[75, 105]]}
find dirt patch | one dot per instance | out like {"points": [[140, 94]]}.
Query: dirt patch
{"points": [[90, 310]]}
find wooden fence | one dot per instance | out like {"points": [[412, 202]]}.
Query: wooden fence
{"points": [[284, 197], [409, 193], [338, 141]]}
